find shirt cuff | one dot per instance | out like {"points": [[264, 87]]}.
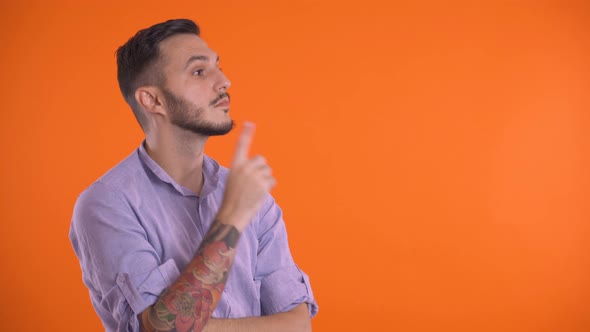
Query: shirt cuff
{"points": [[142, 290], [282, 290]]}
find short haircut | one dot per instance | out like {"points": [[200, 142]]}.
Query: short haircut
{"points": [[136, 59]]}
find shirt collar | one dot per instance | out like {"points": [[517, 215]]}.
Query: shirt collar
{"points": [[210, 174]]}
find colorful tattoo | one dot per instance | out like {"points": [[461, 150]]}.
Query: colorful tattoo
{"points": [[190, 301]]}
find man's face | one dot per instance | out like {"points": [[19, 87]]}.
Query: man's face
{"points": [[194, 89]]}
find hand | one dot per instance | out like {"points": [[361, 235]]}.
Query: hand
{"points": [[248, 183]]}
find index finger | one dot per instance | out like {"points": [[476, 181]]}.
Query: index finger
{"points": [[243, 145]]}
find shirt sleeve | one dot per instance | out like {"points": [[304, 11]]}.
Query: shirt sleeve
{"points": [[283, 285], [122, 271]]}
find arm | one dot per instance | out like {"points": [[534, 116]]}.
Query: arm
{"points": [[286, 298], [297, 319], [188, 303]]}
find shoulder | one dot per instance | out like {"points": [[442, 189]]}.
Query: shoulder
{"points": [[129, 171], [112, 190], [270, 216]]}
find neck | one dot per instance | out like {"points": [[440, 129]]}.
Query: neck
{"points": [[180, 155]]}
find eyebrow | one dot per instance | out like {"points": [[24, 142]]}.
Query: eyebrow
{"points": [[198, 58]]}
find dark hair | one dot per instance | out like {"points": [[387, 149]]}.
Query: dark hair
{"points": [[136, 59]]}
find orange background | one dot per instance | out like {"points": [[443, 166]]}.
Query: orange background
{"points": [[433, 157]]}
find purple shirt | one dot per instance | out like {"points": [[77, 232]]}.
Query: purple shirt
{"points": [[135, 229]]}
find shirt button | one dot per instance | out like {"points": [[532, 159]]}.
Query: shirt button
{"points": [[121, 279]]}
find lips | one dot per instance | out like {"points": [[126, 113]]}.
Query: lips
{"points": [[224, 102]]}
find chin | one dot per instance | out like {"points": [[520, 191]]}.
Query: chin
{"points": [[216, 129]]}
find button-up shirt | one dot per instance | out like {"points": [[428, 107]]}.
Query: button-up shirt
{"points": [[135, 230]]}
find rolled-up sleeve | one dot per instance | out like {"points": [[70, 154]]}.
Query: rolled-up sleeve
{"points": [[283, 285], [119, 266]]}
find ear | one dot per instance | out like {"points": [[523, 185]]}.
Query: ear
{"points": [[147, 98]]}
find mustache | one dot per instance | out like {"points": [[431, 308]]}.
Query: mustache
{"points": [[221, 96]]}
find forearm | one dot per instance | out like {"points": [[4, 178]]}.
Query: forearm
{"points": [[296, 320], [188, 303]]}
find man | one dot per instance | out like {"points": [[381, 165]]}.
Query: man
{"points": [[168, 238]]}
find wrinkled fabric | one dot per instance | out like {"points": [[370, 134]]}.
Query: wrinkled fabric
{"points": [[135, 230]]}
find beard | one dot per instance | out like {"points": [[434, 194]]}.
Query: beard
{"points": [[189, 116]]}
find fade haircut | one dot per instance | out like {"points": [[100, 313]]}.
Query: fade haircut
{"points": [[136, 59]]}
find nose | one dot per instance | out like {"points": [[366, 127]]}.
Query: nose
{"points": [[222, 83]]}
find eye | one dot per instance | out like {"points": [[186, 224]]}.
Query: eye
{"points": [[198, 72]]}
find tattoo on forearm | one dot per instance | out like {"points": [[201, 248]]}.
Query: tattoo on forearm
{"points": [[189, 302]]}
